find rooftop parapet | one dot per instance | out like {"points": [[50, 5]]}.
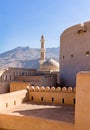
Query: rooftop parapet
{"points": [[51, 89]]}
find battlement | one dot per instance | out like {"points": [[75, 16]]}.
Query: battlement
{"points": [[51, 89], [51, 94], [76, 29]]}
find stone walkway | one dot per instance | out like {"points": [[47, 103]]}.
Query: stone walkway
{"points": [[53, 112]]}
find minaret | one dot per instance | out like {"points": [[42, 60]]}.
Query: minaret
{"points": [[42, 51]]}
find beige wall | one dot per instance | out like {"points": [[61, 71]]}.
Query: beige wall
{"points": [[12, 99], [43, 80], [32, 123], [47, 93], [74, 43], [82, 110], [36, 95], [15, 86], [10, 74]]}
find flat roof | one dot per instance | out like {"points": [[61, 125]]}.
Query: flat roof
{"points": [[52, 112]]}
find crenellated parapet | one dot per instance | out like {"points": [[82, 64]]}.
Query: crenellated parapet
{"points": [[51, 89], [51, 94]]}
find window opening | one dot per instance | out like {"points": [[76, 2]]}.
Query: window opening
{"points": [[63, 100]]}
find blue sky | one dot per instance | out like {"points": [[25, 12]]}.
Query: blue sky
{"points": [[22, 22]]}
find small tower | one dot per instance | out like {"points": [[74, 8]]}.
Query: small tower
{"points": [[42, 51]]}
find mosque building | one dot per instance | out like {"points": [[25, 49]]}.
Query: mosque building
{"points": [[46, 75], [47, 65]]}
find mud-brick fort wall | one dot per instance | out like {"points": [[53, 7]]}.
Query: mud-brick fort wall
{"points": [[52, 95], [43, 80], [82, 107], [46, 94], [12, 99], [74, 53]]}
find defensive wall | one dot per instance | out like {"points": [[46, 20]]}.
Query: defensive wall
{"points": [[52, 95], [82, 109], [46, 94], [32, 123], [34, 94], [74, 53], [9, 100]]}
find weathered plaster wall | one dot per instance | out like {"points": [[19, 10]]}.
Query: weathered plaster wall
{"points": [[15, 86], [12, 99], [51, 95], [32, 123], [39, 80], [47, 94], [82, 109], [74, 47]]}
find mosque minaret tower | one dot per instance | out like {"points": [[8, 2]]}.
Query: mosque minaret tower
{"points": [[42, 51]]}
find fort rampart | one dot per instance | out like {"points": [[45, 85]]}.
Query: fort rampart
{"points": [[12, 99], [24, 122], [52, 95], [74, 53], [38, 94]]}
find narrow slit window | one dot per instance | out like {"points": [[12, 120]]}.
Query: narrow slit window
{"points": [[41, 98], [52, 99], [74, 101], [14, 102], [71, 55], [87, 53], [62, 100], [32, 98], [6, 104]]}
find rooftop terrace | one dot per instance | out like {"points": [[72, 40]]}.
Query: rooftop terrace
{"points": [[52, 112]]}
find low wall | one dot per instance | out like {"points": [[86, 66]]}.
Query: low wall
{"points": [[32, 123], [12, 99], [51, 95]]}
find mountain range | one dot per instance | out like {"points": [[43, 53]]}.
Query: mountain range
{"points": [[26, 57]]}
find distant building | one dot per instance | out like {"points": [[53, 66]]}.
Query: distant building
{"points": [[47, 75], [11, 74], [47, 65]]}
